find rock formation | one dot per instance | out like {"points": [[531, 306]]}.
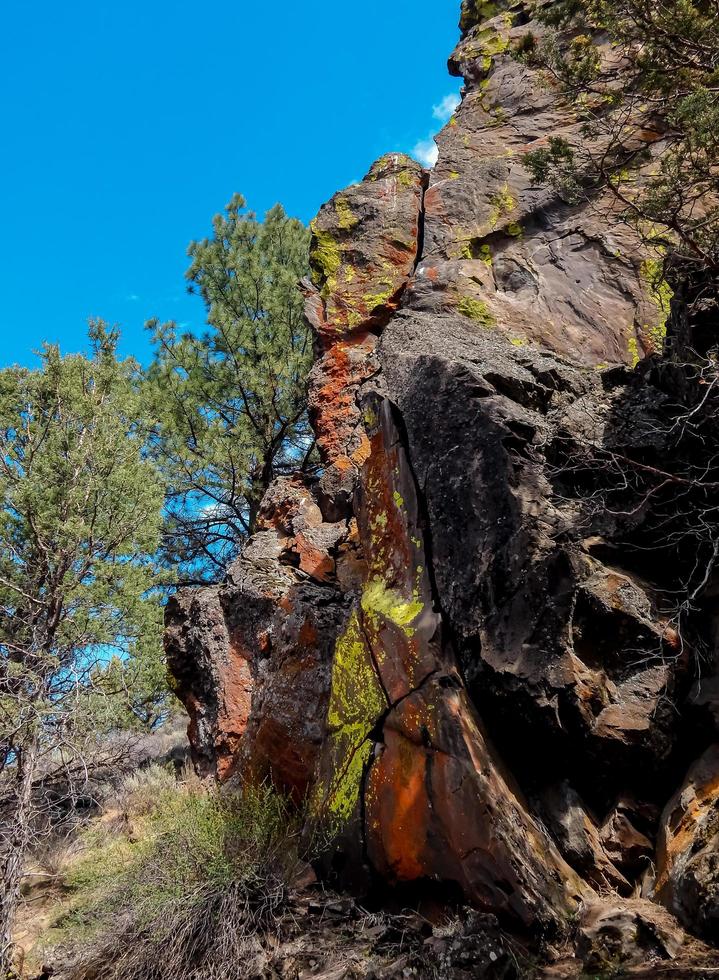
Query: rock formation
{"points": [[465, 643]]}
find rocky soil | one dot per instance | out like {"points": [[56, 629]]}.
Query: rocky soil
{"points": [[482, 643]]}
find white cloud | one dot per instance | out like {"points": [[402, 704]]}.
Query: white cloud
{"points": [[426, 152], [444, 110], [132, 298]]}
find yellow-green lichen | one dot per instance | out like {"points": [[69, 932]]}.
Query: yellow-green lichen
{"points": [[398, 498], [346, 785], [633, 347], [378, 599], [356, 701], [345, 218], [356, 696], [475, 11], [326, 258], [373, 300], [453, 175], [369, 417], [518, 341], [491, 43], [476, 310], [661, 293], [502, 204], [474, 250], [515, 229], [406, 178], [403, 241]]}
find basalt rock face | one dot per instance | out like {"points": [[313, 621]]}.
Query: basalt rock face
{"points": [[451, 642]]}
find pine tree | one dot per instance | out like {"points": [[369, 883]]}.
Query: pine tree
{"points": [[80, 518], [232, 403]]}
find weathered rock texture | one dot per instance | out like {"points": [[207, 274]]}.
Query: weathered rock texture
{"points": [[466, 642]]}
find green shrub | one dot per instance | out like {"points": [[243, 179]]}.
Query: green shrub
{"points": [[202, 874], [138, 792]]}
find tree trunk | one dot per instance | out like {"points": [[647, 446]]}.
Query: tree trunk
{"points": [[15, 837]]}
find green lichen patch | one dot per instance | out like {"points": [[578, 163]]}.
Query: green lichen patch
{"points": [[476, 310], [325, 258], [352, 750], [369, 417], [475, 248], [489, 44], [378, 599], [661, 294], [380, 522], [475, 11], [373, 300], [356, 696], [502, 205], [345, 218], [356, 701]]}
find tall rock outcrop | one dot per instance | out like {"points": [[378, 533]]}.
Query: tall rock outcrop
{"points": [[456, 643]]}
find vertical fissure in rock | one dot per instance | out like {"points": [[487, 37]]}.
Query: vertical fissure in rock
{"points": [[421, 218], [426, 529]]}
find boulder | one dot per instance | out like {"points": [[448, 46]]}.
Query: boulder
{"points": [[687, 879], [617, 934], [578, 837], [459, 643]]}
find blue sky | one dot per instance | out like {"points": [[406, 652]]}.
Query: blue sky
{"points": [[128, 125]]}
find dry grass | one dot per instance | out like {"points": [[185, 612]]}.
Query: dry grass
{"points": [[188, 892], [138, 793]]}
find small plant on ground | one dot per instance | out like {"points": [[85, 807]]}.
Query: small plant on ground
{"points": [[190, 893]]}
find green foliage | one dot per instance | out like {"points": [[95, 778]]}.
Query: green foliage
{"points": [[80, 619], [643, 77], [231, 403], [555, 162], [189, 838], [80, 518], [198, 873]]}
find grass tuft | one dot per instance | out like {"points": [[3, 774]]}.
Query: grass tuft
{"points": [[194, 883]]}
